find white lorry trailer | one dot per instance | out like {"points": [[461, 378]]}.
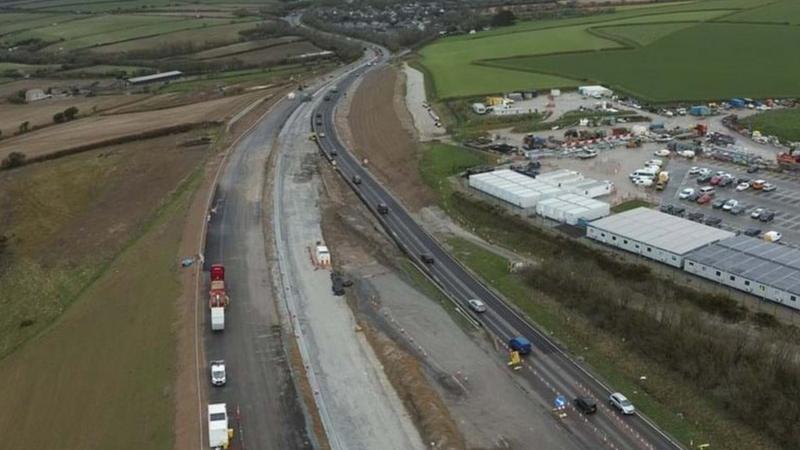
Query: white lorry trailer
{"points": [[218, 318], [218, 436]]}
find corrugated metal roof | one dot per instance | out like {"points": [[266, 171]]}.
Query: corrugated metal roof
{"points": [[155, 76], [660, 230], [755, 259]]}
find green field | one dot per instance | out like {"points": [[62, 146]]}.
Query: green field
{"points": [[676, 43], [25, 68], [218, 34], [90, 26], [785, 12], [678, 68], [784, 123], [234, 77], [242, 47]]}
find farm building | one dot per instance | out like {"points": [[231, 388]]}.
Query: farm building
{"points": [[766, 270], [572, 208], [155, 78], [520, 190], [654, 235], [595, 91]]}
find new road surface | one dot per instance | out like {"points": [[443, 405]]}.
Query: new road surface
{"points": [[549, 368]]}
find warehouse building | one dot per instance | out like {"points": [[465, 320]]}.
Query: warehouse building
{"points": [[595, 91], [156, 77], [574, 182], [519, 190], [654, 235], [764, 269], [572, 208]]}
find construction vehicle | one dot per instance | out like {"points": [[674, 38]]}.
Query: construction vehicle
{"points": [[217, 297], [634, 143], [663, 179], [789, 160], [218, 433]]}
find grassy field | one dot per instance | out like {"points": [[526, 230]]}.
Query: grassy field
{"points": [[25, 68], [89, 26], [694, 78], [102, 69], [235, 77], [274, 54], [569, 52], [784, 123], [784, 12], [219, 35], [440, 161], [242, 47]]}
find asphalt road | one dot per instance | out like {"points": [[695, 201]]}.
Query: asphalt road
{"points": [[550, 369]]}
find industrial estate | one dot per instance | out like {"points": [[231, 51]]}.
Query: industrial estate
{"points": [[400, 224]]}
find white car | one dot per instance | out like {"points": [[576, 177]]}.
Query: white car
{"points": [[756, 213], [730, 204], [768, 187], [218, 377], [772, 236], [742, 187], [686, 193], [642, 181], [695, 170], [688, 154], [477, 305], [704, 171], [622, 403], [662, 152], [654, 162]]}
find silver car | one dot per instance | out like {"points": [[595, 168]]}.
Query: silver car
{"points": [[477, 305]]}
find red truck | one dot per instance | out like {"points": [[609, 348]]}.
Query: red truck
{"points": [[217, 297]]}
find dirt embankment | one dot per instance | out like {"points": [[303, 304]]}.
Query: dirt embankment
{"points": [[379, 125]]}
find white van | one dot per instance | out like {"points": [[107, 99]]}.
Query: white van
{"points": [[648, 172]]}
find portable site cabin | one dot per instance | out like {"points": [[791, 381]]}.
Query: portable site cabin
{"points": [[558, 177], [700, 110], [589, 188], [572, 208], [595, 91], [519, 190]]}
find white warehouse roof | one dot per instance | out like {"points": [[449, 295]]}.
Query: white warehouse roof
{"points": [[660, 230], [512, 187], [155, 76]]}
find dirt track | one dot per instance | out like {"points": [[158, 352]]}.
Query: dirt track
{"points": [[103, 128], [379, 124]]}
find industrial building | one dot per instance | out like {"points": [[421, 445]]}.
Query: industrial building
{"points": [[557, 177], [654, 235], [595, 91], [764, 269], [519, 190], [156, 77], [572, 208], [574, 182]]}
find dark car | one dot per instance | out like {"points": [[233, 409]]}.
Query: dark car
{"points": [[736, 210], [319, 115], [693, 196], [356, 179], [752, 232], [666, 209], [696, 216], [741, 180], [383, 208], [585, 405], [678, 211], [319, 122], [726, 181], [752, 169], [766, 216], [427, 258], [719, 203], [713, 221], [327, 98]]}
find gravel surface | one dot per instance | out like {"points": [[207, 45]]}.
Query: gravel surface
{"points": [[415, 99]]}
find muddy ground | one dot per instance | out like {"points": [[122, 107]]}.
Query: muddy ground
{"points": [[380, 131]]}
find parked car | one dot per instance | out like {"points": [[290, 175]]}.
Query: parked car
{"points": [[713, 221], [736, 210], [707, 190], [477, 305], [666, 209], [730, 204], [752, 169], [585, 405], [766, 216], [694, 170], [678, 211], [686, 193], [772, 236], [621, 403], [654, 162], [715, 180], [662, 152], [769, 187], [752, 232], [705, 198], [756, 213], [742, 186], [696, 216], [693, 197], [643, 181], [719, 203], [726, 180], [703, 178], [758, 184]]}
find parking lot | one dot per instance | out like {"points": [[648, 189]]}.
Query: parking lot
{"points": [[784, 201]]}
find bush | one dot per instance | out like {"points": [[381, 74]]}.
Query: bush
{"points": [[59, 117], [14, 159]]}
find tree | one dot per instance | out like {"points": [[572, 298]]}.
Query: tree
{"points": [[503, 19], [24, 127], [59, 117], [70, 113], [14, 159]]}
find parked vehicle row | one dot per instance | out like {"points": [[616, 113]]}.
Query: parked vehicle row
{"points": [[724, 179], [706, 194]]}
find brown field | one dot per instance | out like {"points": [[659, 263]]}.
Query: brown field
{"points": [[378, 125], [218, 35], [241, 47], [12, 87], [41, 112], [273, 54], [103, 128]]}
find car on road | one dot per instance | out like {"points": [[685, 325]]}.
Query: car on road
{"points": [[756, 213], [327, 98], [719, 203], [520, 344], [621, 403], [686, 193], [319, 115], [712, 221], [477, 305], [730, 204], [766, 216], [736, 210], [772, 236], [383, 208], [427, 258], [218, 375], [696, 216], [662, 152], [319, 122], [752, 232], [694, 170], [769, 187], [585, 405], [356, 179], [742, 186], [703, 199]]}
